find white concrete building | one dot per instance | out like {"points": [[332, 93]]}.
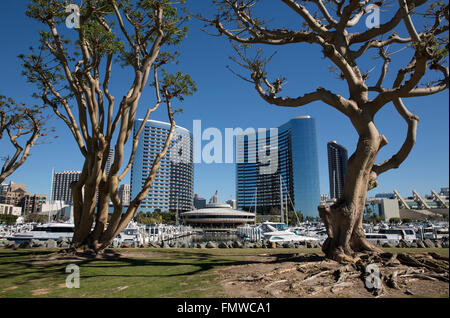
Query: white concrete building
{"points": [[125, 194]]}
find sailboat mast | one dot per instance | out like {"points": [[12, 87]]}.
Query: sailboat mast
{"points": [[287, 212], [51, 194], [281, 201], [256, 198]]}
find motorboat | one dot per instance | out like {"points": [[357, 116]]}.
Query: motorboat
{"points": [[383, 238], [317, 231], [287, 236], [435, 232], [406, 234], [392, 234], [272, 234], [131, 234], [44, 232], [9, 230]]}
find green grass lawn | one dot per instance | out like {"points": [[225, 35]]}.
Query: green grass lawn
{"points": [[180, 273]]}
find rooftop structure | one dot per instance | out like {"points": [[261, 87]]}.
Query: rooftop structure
{"points": [[217, 215], [416, 201]]}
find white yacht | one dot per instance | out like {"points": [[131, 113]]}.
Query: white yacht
{"points": [[315, 231], [44, 232], [133, 233], [287, 236], [383, 237], [273, 234], [435, 232], [406, 234]]}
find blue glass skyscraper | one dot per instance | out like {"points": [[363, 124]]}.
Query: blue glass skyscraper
{"points": [[297, 169], [337, 168]]}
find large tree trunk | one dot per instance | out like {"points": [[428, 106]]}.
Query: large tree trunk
{"points": [[93, 231], [343, 220], [85, 192]]}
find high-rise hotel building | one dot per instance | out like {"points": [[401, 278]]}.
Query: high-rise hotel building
{"points": [[109, 161], [61, 190], [173, 187], [337, 168], [294, 150]]}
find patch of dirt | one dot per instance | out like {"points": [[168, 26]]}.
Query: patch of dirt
{"points": [[38, 292], [10, 288], [310, 275]]}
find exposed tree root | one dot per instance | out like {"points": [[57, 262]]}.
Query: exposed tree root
{"points": [[379, 271], [312, 277], [276, 282], [380, 274], [80, 254]]}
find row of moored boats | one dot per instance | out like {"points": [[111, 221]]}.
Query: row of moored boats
{"points": [[315, 231], [140, 234], [134, 234]]}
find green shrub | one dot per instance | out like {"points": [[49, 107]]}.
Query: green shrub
{"points": [[8, 218]]}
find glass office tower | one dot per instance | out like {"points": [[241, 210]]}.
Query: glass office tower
{"points": [[173, 187], [296, 176], [337, 168]]}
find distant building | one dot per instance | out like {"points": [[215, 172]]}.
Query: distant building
{"points": [[17, 210], [3, 188], [125, 194], [383, 207], [324, 197], [173, 186], [199, 203], [389, 205], [232, 203], [109, 161], [13, 194], [297, 169], [61, 190], [386, 195], [32, 203], [337, 168], [16, 195], [56, 209], [6, 208], [217, 216], [444, 192]]}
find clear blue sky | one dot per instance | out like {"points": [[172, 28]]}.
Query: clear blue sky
{"points": [[225, 101]]}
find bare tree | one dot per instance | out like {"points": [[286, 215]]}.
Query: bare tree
{"points": [[329, 24], [78, 72], [23, 126]]}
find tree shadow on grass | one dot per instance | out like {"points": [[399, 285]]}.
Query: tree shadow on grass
{"points": [[31, 267], [18, 253], [298, 258], [34, 264], [204, 262]]}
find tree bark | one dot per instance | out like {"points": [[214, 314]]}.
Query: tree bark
{"points": [[343, 220]]}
